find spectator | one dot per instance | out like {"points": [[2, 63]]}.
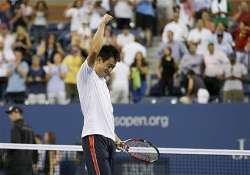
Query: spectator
{"points": [[178, 49], [186, 13], [19, 161], [39, 165], [78, 14], [215, 61], [199, 5], [227, 37], [36, 82], [123, 11], [247, 51], [129, 51], [23, 43], [27, 10], [195, 86], [138, 75], [145, 18], [55, 74], [3, 74], [73, 62], [120, 83], [241, 38], [200, 35], [222, 45], [125, 37], [205, 16], [4, 6], [4, 16], [247, 48], [2, 161], [109, 37], [8, 40], [219, 7], [179, 29], [243, 14], [40, 22], [220, 10], [167, 69], [52, 158], [84, 33], [18, 19], [96, 15], [106, 5], [192, 61], [234, 74], [17, 72], [48, 48]]}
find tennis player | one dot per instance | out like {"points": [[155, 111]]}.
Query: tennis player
{"points": [[99, 140]]}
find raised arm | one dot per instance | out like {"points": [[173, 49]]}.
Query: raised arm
{"points": [[97, 41]]}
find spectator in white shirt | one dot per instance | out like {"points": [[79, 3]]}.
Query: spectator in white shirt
{"points": [[219, 7], [186, 13], [120, 83], [129, 51], [234, 74], [222, 45], [3, 74], [123, 13], [179, 29], [84, 35], [8, 40], [227, 37], [200, 35], [95, 17], [105, 5], [77, 13], [125, 38], [215, 61]]}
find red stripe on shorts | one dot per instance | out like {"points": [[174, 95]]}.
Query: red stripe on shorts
{"points": [[93, 154]]}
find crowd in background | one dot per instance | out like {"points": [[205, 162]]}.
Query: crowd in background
{"points": [[203, 51]]}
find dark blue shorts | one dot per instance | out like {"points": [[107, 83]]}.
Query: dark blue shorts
{"points": [[98, 153]]}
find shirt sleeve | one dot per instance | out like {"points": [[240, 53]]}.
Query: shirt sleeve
{"points": [[84, 72]]}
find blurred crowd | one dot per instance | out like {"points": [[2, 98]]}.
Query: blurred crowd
{"points": [[202, 53]]}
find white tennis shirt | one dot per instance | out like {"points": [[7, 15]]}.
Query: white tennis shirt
{"points": [[95, 103]]}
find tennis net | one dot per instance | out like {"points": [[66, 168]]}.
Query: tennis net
{"points": [[68, 160]]}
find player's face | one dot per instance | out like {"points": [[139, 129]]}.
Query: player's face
{"points": [[13, 115], [106, 67]]}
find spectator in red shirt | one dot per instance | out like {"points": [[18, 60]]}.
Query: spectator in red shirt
{"points": [[243, 14], [241, 36]]}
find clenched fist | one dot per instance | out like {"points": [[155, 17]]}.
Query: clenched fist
{"points": [[106, 18]]}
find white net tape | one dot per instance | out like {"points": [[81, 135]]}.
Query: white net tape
{"points": [[186, 151]]}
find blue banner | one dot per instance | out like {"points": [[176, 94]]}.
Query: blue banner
{"points": [[224, 126]]}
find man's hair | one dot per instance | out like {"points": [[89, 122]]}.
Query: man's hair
{"points": [[109, 51]]}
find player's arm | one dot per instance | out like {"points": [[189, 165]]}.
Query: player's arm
{"points": [[97, 41]]}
